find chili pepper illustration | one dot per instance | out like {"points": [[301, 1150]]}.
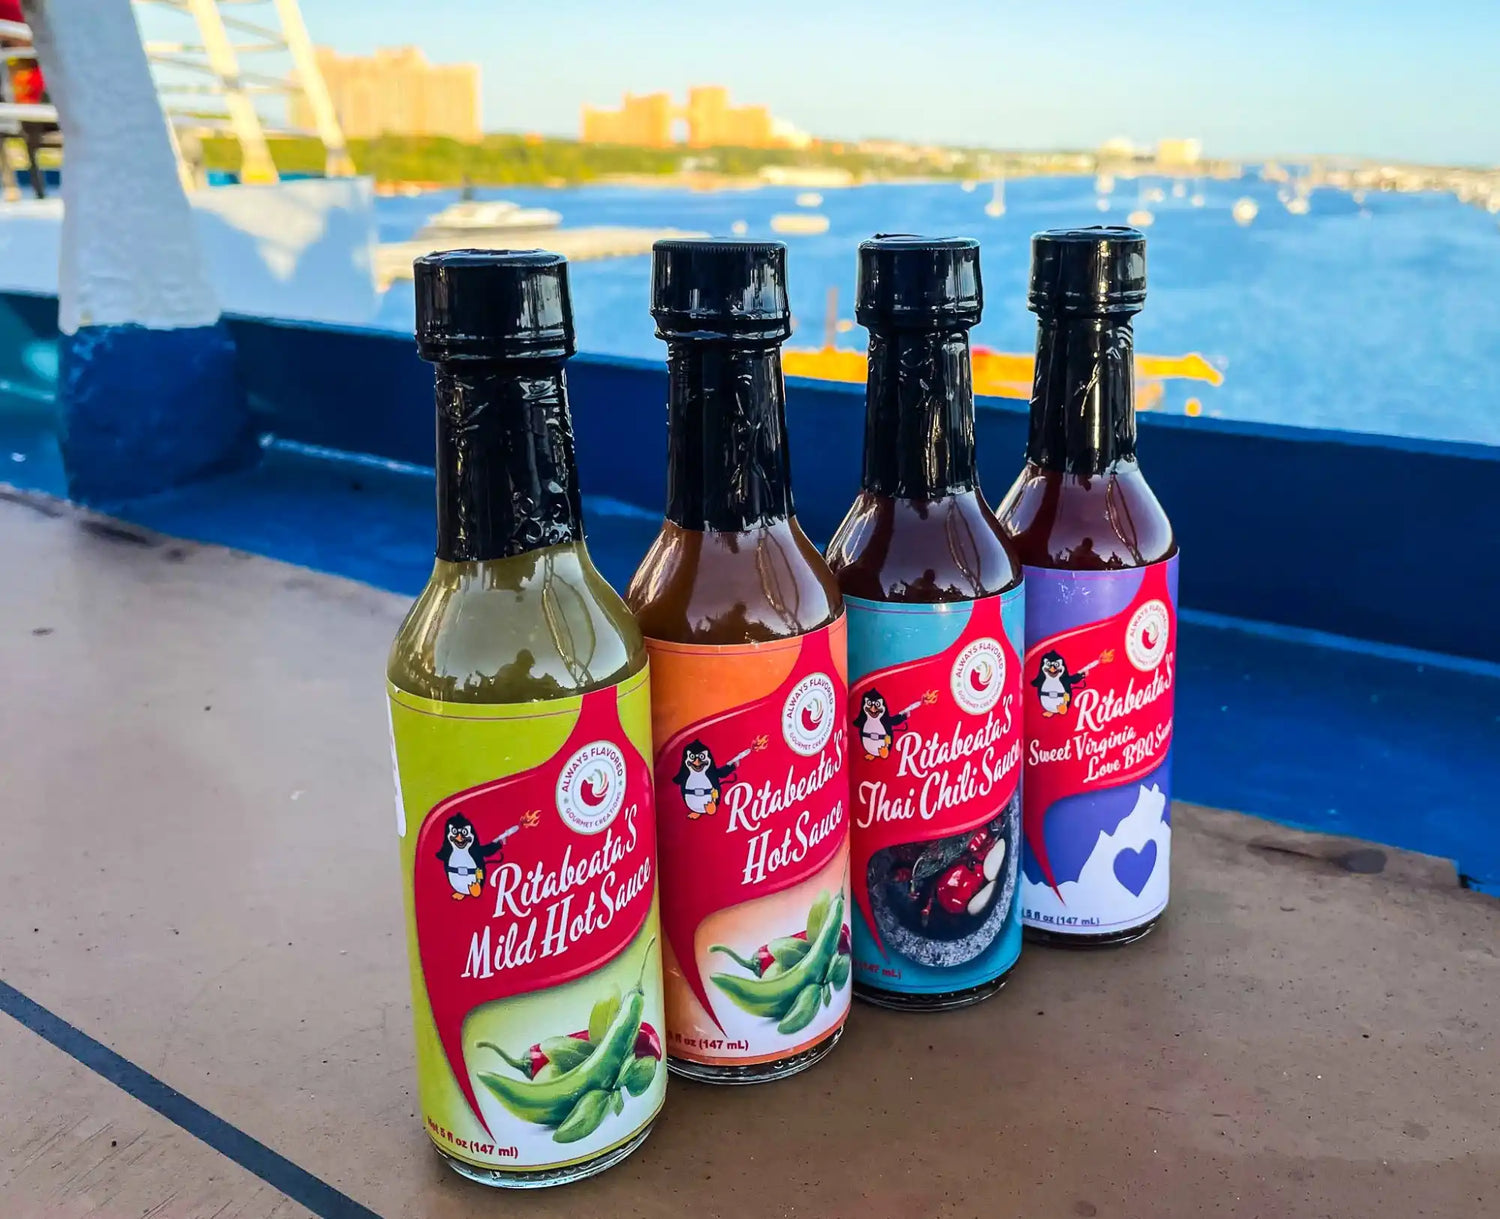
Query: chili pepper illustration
{"points": [[775, 952], [577, 1100], [780, 996], [565, 1053], [957, 885]]}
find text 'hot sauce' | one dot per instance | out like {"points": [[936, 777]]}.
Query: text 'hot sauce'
{"points": [[1100, 667], [745, 628], [520, 724], [934, 602]]}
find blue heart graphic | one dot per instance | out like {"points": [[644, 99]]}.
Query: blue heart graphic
{"points": [[1133, 868]]}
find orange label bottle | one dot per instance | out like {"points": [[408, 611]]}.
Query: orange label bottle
{"points": [[744, 624]]}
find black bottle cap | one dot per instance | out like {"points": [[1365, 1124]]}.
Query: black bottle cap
{"points": [[918, 282], [1088, 272], [710, 289], [493, 305]]}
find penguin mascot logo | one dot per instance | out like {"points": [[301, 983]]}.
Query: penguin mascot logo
{"points": [[464, 858], [1054, 684], [876, 725], [700, 781]]}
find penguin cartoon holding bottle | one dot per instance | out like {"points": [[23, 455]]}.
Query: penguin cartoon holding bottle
{"points": [[1054, 683], [700, 781], [876, 725], [464, 856]]}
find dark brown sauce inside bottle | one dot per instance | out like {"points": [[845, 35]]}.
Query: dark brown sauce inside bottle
{"points": [[1081, 502], [730, 565]]}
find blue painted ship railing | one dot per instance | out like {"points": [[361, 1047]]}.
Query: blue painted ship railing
{"points": [[1341, 658], [1376, 537]]}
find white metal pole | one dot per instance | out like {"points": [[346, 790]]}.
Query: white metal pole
{"points": [[337, 162], [255, 156]]}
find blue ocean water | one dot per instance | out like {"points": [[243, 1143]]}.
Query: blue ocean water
{"points": [[1378, 317]]}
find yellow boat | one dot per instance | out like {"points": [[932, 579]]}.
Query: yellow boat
{"points": [[1004, 374]]}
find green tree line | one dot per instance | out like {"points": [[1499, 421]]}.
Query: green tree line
{"points": [[504, 160]]}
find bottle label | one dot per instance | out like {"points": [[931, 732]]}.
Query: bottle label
{"points": [[529, 856], [935, 765], [1100, 674], [753, 791]]}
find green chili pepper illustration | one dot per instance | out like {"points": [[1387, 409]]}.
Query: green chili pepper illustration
{"points": [[616, 1102], [774, 997], [788, 950], [838, 971], [638, 1075], [565, 1053], [559, 1100], [818, 914], [602, 1014], [584, 1117], [802, 1011]]}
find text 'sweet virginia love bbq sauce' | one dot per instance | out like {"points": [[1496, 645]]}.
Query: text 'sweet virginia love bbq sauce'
{"points": [[934, 603], [521, 727], [746, 632], [1101, 620]]}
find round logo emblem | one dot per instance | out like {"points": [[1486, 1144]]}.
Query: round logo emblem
{"points": [[808, 714], [1146, 636], [978, 676], [591, 787]]}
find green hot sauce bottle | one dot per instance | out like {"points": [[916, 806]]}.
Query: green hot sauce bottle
{"points": [[520, 720]]}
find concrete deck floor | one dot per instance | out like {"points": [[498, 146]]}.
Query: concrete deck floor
{"points": [[199, 873]]}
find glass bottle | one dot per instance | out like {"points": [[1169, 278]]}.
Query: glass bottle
{"points": [[745, 628], [1101, 619], [934, 600], [520, 720]]}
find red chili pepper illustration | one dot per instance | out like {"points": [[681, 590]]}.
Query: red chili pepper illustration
{"points": [[957, 885]]}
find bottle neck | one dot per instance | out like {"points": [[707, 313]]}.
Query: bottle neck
{"points": [[727, 464], [919, 415], [506, 478], [1083, 397]]}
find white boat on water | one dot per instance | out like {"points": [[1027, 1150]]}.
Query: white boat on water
{"points": [[809, 198], [800, 224], [1245, 210], [472, 218], [996, 205]]}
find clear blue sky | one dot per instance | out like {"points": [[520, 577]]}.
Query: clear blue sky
{"points": [[1380, 78]]}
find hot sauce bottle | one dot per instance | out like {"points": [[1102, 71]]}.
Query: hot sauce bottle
{"points": [[1101, 618], [520, 722], [934, 602], [745, 628]]}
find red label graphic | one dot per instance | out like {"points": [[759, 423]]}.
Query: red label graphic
{"points": [[535, 879], [752, 800], [935, 746], [1098, 705]]}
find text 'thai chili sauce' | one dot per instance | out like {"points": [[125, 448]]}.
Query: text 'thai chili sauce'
{"points": [[745, 628], [1101, 618], [934, 602], [520, 723]]}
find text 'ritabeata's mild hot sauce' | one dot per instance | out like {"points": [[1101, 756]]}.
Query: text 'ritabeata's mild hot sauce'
{"points": [[520, 723], [1101, 620], [745, 628], [934, 603]]}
